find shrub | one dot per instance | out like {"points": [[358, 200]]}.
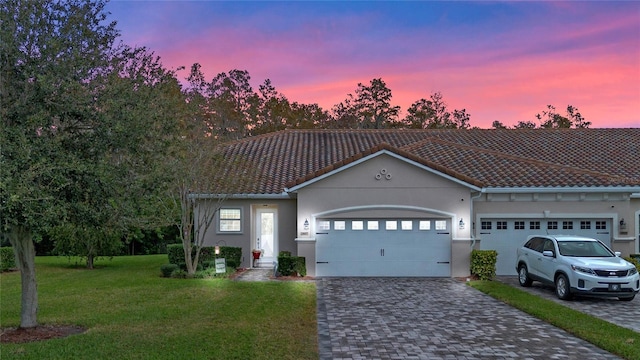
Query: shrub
{"points": [[168, 269], [7, 258], [291, 265], [179, 274], [233, 255], [483, 263]]}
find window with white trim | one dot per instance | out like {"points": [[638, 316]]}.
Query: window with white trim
{"points": [[230, 220], [357, 225], [485, 225], [441, 225], [391, 225], [567, 225], [425, 225], [552, 225], [406, 225], [372, 225], [501, 225], [339, 225], [534, 225], [585, 225], [601, 225], [518, 225]]}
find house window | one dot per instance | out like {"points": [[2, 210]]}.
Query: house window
{"points": [[601, 225], [425, 225], [567, 225], [441, 225], [585, 225], [485, 225], [357, 225], [372, 225], [391, 225], [339, 225], [324, 225], [230, 220], [501, 225], [552, 225], [406, 225], [518, 225], [534, 225]]}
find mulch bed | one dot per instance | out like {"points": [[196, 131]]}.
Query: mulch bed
{"points": [[38, 333]]}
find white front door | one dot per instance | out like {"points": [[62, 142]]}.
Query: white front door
{"points": [[266, 240]]}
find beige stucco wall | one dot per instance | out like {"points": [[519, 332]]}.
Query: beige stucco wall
{"points": [[385, 186]]}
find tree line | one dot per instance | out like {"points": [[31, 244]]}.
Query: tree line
{"points": [[233, 110]]}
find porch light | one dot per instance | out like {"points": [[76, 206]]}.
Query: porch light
{"points": [[461, 224], [306, 224], [217, 250], [623, 225]]}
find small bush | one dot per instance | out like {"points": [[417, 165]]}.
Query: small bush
{"points": [[291, 265], [7, 258], [233, 255], [179, 274], [175, 253], [483, 263], [168, 269]]}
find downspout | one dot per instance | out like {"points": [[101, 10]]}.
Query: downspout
{"points": [[473, 217]]}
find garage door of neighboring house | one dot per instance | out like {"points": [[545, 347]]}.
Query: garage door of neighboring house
{"points": [[506, 235], [383, 247]]}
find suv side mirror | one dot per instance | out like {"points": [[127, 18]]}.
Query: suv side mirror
{"points": [[618, 253], [548, 253]]}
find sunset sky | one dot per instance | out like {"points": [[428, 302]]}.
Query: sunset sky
{"points": [[498, 60]]}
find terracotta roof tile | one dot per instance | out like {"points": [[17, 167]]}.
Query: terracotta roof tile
{"points": [[485, 158]]}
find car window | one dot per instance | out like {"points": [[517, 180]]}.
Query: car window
{"points": [[535, 244], [584, 249], [548, 246]]}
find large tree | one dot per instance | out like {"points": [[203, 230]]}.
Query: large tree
{"points": [[550, 118], [369, 108], [72, 146]]}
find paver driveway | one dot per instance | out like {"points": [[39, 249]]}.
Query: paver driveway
{"points": [[426, 318]]}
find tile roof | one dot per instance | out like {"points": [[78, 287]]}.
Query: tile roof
{"points": [[484, 158]]}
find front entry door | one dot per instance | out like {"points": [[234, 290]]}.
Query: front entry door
{"points": [[266, 224]]}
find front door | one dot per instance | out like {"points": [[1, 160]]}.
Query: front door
{"points": [[266, 224]]}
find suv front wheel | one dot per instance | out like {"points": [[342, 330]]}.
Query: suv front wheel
{"points": [[563, 289]]}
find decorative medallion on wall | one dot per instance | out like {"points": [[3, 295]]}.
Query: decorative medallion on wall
{"points": [[383, 174]]}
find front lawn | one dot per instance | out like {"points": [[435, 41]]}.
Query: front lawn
{"points": [[133, 313]]}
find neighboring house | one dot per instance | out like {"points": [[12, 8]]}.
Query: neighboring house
{"points": [[416, 202]]}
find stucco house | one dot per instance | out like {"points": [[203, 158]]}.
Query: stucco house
{"points": [[416, 202]]}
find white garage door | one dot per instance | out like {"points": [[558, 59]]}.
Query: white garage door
{"points": [[506, 235], [383, 247]]}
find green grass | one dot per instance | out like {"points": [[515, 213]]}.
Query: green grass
{"points": [[613, 338], [132, 313]]}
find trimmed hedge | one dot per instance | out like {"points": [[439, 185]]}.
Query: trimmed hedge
{"points": [[232, 255], [7, 258], [291, 265], [168, 269], [483, 263]]}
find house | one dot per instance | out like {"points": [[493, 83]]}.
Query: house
{"points": [[404, 202]]}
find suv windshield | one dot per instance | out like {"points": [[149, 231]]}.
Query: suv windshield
{"points": [[583, 249]]}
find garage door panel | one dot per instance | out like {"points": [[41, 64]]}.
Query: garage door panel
{"points": [[506, 235], [383, 247]]}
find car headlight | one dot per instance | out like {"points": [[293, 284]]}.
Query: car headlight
{"points": [[633, 271], [582, 269]]}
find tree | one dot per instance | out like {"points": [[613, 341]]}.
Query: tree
{"points": [[233, 104], [550, 118], [525, 125], [370, 108], [433, 114], [498, 125], [73, 144], [274, 111]]}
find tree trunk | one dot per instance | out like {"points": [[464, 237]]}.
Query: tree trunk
{"points": [[22, 241], [90, 259]]}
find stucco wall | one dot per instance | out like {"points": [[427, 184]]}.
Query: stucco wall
{"points": [[286, 230]]}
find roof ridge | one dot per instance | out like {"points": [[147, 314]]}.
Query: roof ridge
{"points": [[513, 157]]}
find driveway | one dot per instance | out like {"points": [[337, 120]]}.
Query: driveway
{"points": [[427, 318]]}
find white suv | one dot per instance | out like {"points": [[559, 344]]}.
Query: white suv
{"points": [[576, 265]]}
